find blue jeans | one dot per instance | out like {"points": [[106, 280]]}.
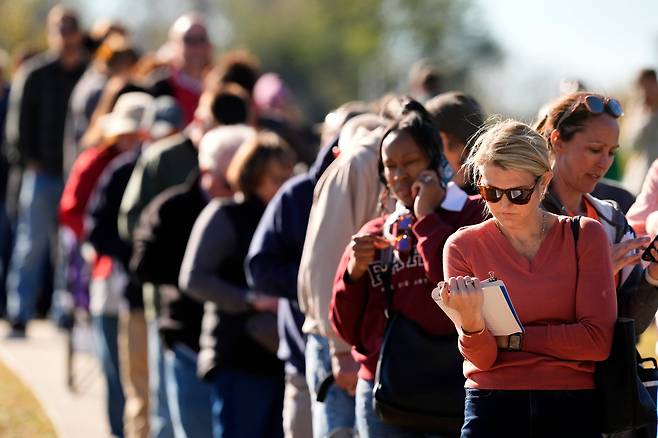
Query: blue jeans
{"points": [[368, 423], [36, 229], [106, 329], [159, 418], [6, 237], [492, 413], [246, 405], [188, 396], [336, 413]]}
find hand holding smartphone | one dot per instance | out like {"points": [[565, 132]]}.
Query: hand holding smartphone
{"points": [[646, 255]]}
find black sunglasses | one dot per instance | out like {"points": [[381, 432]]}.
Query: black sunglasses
{"points": [[516, 195], [595, 105]]}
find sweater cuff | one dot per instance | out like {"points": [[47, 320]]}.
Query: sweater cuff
{"points": [[470, 341], [427, 224]]}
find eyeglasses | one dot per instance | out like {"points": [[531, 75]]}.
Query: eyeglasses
{"points": [[595, 105], [516, 195]]}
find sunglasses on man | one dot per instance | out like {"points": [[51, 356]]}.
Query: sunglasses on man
{"points": [[516, 195], [594, 105]]}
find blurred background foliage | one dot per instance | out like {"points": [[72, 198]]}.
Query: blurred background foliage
{"points": [[328, 52]]}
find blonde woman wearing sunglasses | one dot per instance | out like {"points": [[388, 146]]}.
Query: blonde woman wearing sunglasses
{"points": [[582, 132], [539, 382]]}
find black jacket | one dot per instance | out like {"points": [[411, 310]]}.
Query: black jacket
{"points": [[159, 245], [102, 214], [37, 112]]}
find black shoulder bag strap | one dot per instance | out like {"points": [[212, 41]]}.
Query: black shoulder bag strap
{"points": [[575, 229], [386, 259]]}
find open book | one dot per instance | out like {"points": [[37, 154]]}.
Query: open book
{"points": [[499, 314]]}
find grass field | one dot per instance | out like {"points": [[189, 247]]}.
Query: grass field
{"points": [[21, 414]]}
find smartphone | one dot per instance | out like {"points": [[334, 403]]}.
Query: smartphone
{"points": [[646, 255]]}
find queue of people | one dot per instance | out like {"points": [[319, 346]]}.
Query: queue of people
{"points": [[233, 298]]}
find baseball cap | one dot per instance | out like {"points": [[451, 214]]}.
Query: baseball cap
{"points": [[163, 117], [127, 115]]}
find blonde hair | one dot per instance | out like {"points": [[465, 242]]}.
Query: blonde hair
{"points": [[508, 144]]}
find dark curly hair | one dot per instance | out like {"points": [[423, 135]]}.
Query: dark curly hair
{"points": [[410, 116]]}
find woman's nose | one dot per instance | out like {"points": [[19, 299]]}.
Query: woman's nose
{"points": [[605, 162]]}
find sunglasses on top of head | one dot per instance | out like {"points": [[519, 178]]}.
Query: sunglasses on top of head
{"points": [[516, 195], [594, 105]]}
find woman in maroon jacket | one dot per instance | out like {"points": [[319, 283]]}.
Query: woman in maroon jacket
{"points": [[427, 213]]}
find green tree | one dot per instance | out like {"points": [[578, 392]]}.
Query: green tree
{"points": [[332, 52]]}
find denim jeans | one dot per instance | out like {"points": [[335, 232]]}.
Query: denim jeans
{"points": [[368, 423], [336, 414], [529, 414], [188, 396], [106, 328], [36, 230], [160, 420], [6, 238], [246, 405]]}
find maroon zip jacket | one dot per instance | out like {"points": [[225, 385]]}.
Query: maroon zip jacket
{"points": [[357, 307]]}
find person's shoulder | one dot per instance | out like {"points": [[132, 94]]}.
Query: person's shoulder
{"points": [[216, 210], [156, 150], [40, 63], [475, 204], [469, 234], [590, 229], [171, 198], [295, 185], [87, 155]]}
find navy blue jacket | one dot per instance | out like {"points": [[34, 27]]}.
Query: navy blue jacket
{"points": [[275, 253]]}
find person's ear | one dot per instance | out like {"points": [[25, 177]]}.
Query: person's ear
{"points": [[445, 139], [545, 181], [557, 143]]}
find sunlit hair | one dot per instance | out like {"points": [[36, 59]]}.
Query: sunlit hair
{"points": [[250, 162], [573, 124], [509, 145]]}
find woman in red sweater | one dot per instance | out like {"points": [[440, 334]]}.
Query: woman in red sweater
{"points": [[409, 166], [539, 382]]}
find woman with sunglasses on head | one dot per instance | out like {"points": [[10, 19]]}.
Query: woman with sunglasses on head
{"points": [[539, 382], [582, 133], [427, 213]]}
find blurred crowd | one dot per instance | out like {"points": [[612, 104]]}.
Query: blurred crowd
{"points": [[230, 255]]}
